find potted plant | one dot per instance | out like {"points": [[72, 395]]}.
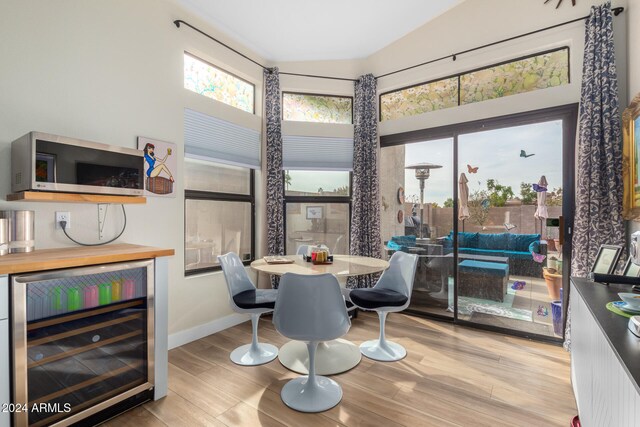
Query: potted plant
{"points": [[551, 246], [553, 280]]}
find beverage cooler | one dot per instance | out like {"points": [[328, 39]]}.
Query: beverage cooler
{"points": [[82, 341]]}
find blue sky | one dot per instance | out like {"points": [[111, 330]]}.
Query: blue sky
{"points": [[496, 153]]}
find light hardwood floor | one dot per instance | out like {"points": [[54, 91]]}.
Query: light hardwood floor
{"points": [[452, 376]]}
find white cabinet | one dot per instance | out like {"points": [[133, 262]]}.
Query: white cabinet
{"points": [[605, 394], [4, 350], [4, 297]]}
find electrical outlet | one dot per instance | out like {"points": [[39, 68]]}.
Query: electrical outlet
{"points": [[63, 216]]}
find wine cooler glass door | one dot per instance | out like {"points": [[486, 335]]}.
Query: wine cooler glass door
{"points": [[82, 340]]}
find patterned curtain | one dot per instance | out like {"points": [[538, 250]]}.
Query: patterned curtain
{"points": [[365, 216], [275, 192], [598, 218]]}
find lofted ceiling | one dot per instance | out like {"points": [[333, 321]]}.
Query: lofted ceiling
{"points": [[305, 30]]}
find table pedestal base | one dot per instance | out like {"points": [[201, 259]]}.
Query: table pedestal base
{"points": [[332, 357]]}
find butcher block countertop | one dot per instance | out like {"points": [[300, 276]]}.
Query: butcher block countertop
{"points": [[53, 259]]}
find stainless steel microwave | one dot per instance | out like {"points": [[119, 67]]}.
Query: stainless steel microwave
{"points": [[44, 162]]}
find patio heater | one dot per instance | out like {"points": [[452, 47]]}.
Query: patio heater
{"points": [[423, 171]]}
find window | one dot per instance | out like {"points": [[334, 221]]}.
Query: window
{"points": [[317, 153], [317, 209], [213, 139], [219, 214], [540, 71], [419, 99], [212, 82], [306, 107], [310, 183], [533, 73]]}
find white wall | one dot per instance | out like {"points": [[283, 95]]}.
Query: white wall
{"points": [[633, 47], [110, 71]]}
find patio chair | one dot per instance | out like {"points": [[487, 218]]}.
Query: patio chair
{"points": [[311, 309], [391, 293], [245, 298]]}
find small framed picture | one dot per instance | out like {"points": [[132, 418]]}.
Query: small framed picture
{"points": [[45, 167], [607, 259], [314, 212], [631, 269]]}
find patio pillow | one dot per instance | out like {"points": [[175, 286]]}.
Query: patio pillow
{"points": [[535, 247]]}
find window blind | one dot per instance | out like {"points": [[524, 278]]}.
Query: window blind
{"points": [[317, 153], [210, 138]]}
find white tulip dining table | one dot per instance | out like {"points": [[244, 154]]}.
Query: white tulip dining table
{"points": [[332, 357]]}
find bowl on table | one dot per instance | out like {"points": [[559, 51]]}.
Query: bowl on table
{"points": [[632, 300]]}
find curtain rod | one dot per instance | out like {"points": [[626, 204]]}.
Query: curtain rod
{"points": [[616, 11], [180, 21]]}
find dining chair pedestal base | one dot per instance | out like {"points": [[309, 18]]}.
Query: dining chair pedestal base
{"points": [[321, 396], [332, 357], [386, 351], [245, 356]]}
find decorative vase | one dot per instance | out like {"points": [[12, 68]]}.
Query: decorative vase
{"points": [[556, 315]]}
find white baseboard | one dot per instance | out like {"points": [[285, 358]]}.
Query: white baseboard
{"points": [[201, 331]]}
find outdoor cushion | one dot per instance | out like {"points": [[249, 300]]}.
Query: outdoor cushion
{"points": [[493, 268], [258, 298], [518, 254], [492, 241], [401, 243], [487, 252], [521, 242], [465, 239], [375, 298], [520, 260]]}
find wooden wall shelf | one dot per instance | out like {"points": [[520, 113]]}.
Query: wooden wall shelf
{"points": [[43, 196]]}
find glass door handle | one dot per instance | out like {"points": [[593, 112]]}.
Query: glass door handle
{"points": [[561, 230]]}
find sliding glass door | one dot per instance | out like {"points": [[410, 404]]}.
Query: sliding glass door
{"points": [[511, 194], [487, 206]]}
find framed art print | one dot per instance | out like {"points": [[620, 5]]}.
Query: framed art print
{"points": [[606, 259], [160, 167], [314, 212], [630, 153], [631, 269]]}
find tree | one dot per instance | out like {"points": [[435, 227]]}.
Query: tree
{"points": [[498, 194], [287, 179], [554, 198], [527, 194], [479, 205], [343, 191], [448, 203]]}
